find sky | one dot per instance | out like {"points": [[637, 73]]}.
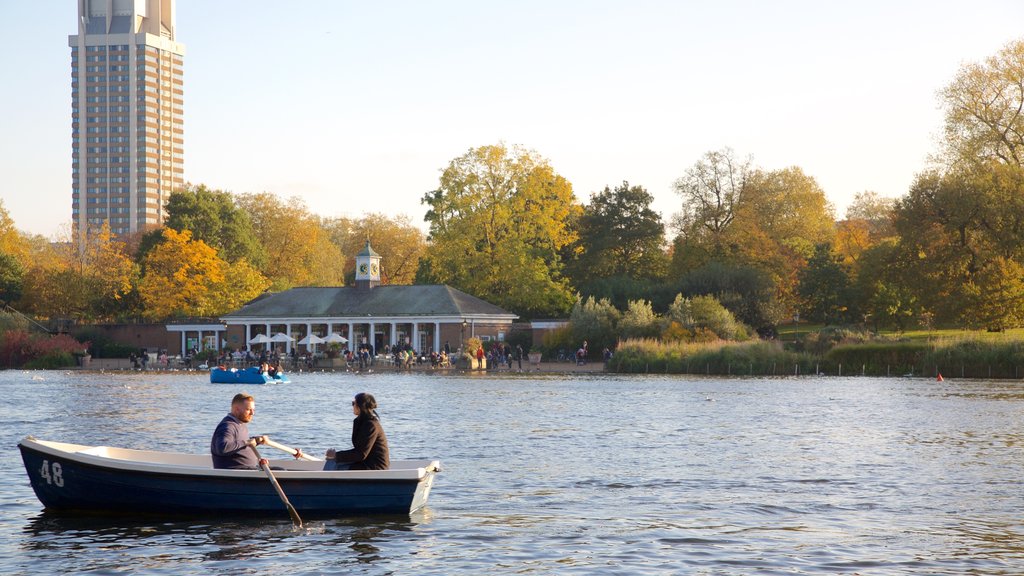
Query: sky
{"points": [[357, 107]]}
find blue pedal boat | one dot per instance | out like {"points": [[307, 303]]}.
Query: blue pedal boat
{"points": [[251, 375], [77, 478]]}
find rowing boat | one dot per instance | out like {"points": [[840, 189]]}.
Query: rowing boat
{"points": [[74, 477]]}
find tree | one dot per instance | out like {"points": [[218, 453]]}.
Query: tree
{"points": [[705, 314], [824, 287], [984, 106], [711, 190], [242, 282], [497, 226], [748, 292], [961, 230], [619, 236], [782, 215], [180, 277], [11, 240], [875, 210], [12, 275], [86, 282], [639, 321], [595, 321], [213, 217], [299, 250], [397, 240]]}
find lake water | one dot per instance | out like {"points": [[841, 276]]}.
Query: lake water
{"points": [[563, 474]]}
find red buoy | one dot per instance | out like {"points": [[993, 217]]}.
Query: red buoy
{"points": [[939, 379]]}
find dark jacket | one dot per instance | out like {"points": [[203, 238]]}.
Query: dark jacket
{"points": [[228, 446], [370, 450]]}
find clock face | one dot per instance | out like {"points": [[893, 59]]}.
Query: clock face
{"points": [[373, 269], [362, 268]]}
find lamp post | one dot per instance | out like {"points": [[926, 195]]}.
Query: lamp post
{"points": [[462, 338]]}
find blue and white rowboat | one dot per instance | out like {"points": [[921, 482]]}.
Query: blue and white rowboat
{"points": [[251, 375], [73, 477]]}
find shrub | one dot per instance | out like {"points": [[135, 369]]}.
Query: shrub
{"points": [[19, 347], [51, 361], [821, 341]]}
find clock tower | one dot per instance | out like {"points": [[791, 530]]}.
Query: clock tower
{"points": [[367, 268]]}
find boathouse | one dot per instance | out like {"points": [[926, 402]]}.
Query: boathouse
{"points": [[423, 316]]}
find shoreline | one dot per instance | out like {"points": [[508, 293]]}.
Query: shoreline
{"points": [[123, 365]]}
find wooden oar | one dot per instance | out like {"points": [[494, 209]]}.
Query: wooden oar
{"points": [[291, 509], [290, 450]]}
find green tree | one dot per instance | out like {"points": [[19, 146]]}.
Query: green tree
{"points": [[824, 288], [214, 217], [12, 277], [748, 292], [619, 236], [983, 106], [497, 227]]}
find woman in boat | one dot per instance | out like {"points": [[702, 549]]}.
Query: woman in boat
{"points": [[370, 445]]}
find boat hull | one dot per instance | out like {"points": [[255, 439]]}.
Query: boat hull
{"points": [[247, 376], [66, 481]]}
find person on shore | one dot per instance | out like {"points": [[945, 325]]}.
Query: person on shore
{"points": [[230, 444], [369, 444], [519, 356]]}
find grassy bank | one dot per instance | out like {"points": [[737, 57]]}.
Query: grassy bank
{"points": [[959, 356]]}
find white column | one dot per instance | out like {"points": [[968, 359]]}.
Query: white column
{"points": [[437, 337], [369, 338], [182, 343], [288, 344], [200, 345], [248, 336], [416, 337], [394, 334], [352, 344], [309, 332]]}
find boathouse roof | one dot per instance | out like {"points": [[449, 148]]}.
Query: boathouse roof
{"points": [[381, 301]]}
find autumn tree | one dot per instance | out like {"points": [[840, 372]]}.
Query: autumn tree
{"points": [[768, 220], [91, 281], [497, 226], [782, 215], [984, 107], [12, 241], [620, 237], [961, 233], [185, 277], [396, 239], [299, 250], [710, 190]]}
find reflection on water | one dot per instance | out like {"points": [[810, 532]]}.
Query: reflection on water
{"points": [[577, 474]]}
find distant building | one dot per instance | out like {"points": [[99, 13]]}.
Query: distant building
{"points": [[423, 316], [126, 110]]}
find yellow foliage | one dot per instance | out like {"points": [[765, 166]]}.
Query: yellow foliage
{"points": [[181, 277]]}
